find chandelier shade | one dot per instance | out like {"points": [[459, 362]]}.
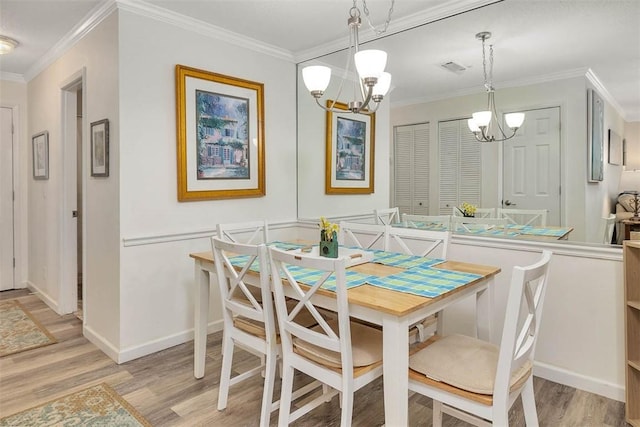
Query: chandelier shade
{"points": [[316, 78], [484, 124], [371, 81]]}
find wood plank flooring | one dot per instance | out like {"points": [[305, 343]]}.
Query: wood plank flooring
{"points": [[162, 388]]}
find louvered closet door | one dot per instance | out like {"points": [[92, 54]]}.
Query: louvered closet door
{"points": [[411, 168], [460, 166]]}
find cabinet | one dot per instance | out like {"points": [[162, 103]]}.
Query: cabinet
{"points": [[631, 256], [411, 168]]}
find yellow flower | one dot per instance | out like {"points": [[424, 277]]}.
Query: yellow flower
{"points": [[468, 208], [327, 229]]}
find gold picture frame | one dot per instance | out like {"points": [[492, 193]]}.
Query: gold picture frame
{"points": [[350, 151], [220, 133]]}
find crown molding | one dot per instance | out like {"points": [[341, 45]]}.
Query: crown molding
{"points": [[12, 77], [88, 23], [432, 14], [157, 13], [597, 84]]}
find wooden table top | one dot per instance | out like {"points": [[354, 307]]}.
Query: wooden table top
{"points": [[389, 301]]}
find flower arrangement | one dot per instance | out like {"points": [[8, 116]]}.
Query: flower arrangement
{"points": [[328, 230], [467, 209]]}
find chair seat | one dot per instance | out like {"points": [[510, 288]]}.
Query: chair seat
{"points": [[464, 362], [366, 343], [255, 327]]}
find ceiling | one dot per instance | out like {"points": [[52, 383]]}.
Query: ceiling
{"points": [[535, 40]]}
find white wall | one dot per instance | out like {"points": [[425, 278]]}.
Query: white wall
{"points": [[312, 200], [13, 94], [155, 279], [632, 137], [96, 54], [568, 94]]}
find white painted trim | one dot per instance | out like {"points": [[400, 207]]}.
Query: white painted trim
{"points": [[159, 344], [597, 84], [43, 296], [99, 341], [581, 382], [155, 239], [191, 24], [77, 33], [12, 77]]}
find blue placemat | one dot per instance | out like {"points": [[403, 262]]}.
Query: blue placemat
{"points": [[543, 231], [394, 259], [241, 260], [431, 226], [310, 276], [424, 281]]}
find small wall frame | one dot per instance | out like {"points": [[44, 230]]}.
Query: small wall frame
{"points": [[40, 146], [100, 148]]}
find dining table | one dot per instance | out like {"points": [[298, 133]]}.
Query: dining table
{"points": [[383, 299], [513, 231]]}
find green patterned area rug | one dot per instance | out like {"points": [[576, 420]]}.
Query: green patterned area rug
{"points": [[95, 406], [19, 330]]}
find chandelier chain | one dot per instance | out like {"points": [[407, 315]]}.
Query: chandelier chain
{"points": [[488, 79], [386, 23]]}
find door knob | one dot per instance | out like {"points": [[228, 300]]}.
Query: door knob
{"points": [[74, 214], [508, 203]]}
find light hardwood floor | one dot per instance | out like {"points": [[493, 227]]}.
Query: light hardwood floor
{"points": [[162, 388]]}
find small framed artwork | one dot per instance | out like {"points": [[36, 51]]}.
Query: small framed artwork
{"points": [[615, 149], [40, 146], [595, 136], [349, 159], [220, 125], [100, 148]]}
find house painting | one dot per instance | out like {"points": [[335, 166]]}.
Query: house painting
{"points": [[350, 150]]}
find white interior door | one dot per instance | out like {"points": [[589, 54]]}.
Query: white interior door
{"points": [[6, 200], [531, 165], [411, 169]]}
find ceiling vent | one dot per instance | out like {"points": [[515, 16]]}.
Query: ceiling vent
{"points": [[453, 67]]}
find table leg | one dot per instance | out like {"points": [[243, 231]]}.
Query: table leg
{"points": [[484, 308], [201, 318], [395, 347]]}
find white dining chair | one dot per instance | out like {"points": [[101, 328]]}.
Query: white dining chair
{"points": [[249, 321], [252, 232], [417, 221], [387, 215], [534, 217], [471, 224], [480, 212], [608, 224], [424, 243], [342, 354], [364, 236], [476, 381]]}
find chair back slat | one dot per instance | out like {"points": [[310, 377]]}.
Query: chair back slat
{"points": [[534, 217], [386, 216], [522, 321], [286, 287], [607, 227], [423, 242], [365, 236], [253, 232], [237, 298]]}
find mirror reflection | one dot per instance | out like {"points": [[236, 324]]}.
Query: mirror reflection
{"points": [[547, 60]]}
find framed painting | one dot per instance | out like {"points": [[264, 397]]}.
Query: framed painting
{"points": [[100, 148], [220, 125], [40, 146], [615, 148], [595, 133], [349, 158]]}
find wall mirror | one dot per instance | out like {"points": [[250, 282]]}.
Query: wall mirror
{"points": [[532, 72]]}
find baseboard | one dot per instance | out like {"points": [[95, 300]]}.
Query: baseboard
{"points": [[163, 343], [581, 382], [53, 304], [99, 341]]}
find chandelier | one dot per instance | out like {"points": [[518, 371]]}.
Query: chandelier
{"points": [[372, 81], [484, 124]]}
